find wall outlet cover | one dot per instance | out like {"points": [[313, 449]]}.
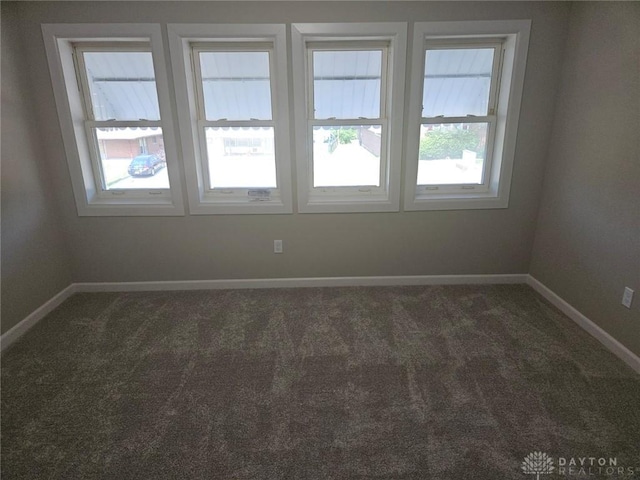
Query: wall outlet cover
{"points": [[627, 297]]}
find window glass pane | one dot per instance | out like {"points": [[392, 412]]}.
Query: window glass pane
{"points": [[122, 85], [241, 157], [452, 153], [346, 84], [457, 82], [132, 158], [347, 156], [236, 85]]}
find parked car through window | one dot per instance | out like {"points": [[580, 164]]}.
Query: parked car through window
{"points": [[145, 165]]}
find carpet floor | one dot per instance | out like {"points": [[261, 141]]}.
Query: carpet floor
{"points": [[437, 382]]}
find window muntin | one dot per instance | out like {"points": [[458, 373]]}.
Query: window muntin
{"points": [[347, 102], [458, 119], [235, 112], [122, 116]]}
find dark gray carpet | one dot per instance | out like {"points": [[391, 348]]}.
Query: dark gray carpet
{"points": [[455, 382]]}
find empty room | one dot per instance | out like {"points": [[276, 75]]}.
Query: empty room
{"points": [[320, 240]]}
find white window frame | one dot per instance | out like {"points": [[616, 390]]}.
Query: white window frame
{"points": [[511, 38], [307, 37], [81, 152], [202, 199]]}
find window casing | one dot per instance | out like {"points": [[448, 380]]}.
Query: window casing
{"points": [[466, 90], [111, 92], [375, 127], [348, 90], [232, 100]]}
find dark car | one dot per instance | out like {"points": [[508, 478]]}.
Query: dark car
{"points": [[145, 165]]}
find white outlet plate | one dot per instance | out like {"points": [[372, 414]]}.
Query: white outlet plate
{"points": [[627, 297], [277, 246]]}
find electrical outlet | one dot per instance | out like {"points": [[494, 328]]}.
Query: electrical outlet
{"points": [[277, 246], [627, 297]]}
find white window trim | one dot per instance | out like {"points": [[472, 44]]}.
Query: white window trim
{"points": [[91, 200], [515, 37], [386, 199], [202, 200]]}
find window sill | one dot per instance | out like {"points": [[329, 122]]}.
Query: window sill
{"points": [[326, 204], [238, 206], [476, 201]]}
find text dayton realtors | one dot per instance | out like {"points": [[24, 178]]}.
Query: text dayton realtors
{"points": [[593, 466]]}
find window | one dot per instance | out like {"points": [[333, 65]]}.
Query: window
{"points": [[111, 92], [348, 88], [232, 99], [465, 101]]}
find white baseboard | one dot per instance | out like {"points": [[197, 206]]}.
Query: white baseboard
{"points": [[607, 340], [15, 332], [618, 349], [301, 282], [18, 330]]}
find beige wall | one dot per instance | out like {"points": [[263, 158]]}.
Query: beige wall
{"points": [[220, 247], [213, 247], [587, 246], [35, 261]]}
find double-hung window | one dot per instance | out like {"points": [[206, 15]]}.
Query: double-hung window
{"points": [[232, 98], [465, 100], [349, 95], [113, 107]]}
